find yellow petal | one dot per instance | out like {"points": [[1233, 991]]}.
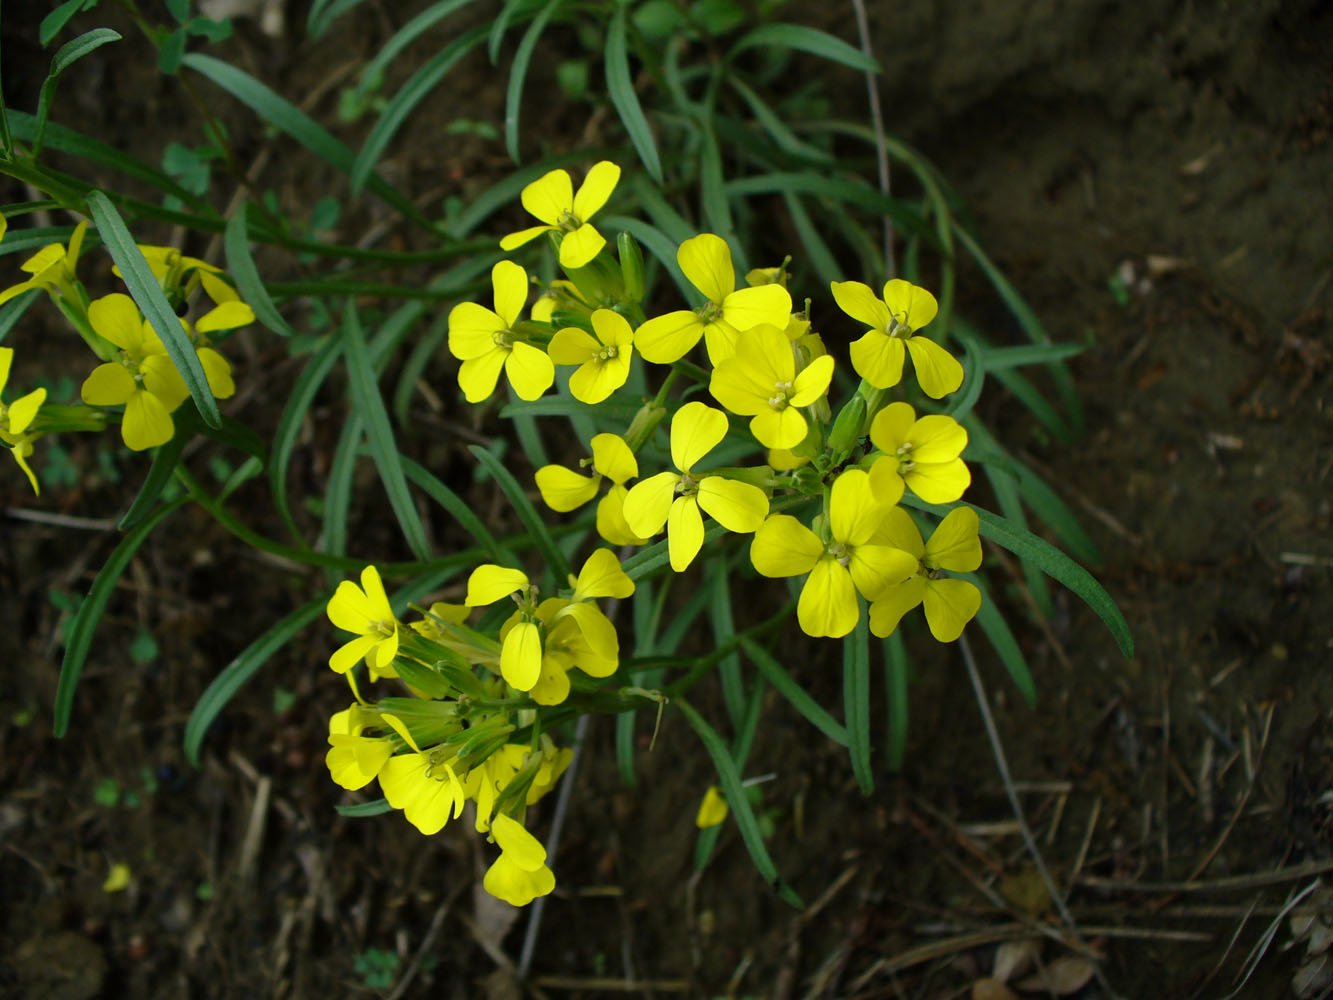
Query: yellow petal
{"points": [[227, 316], [21, 451], [611, 523], [161, 378], [6, 361], [954, 544], [937, 370], [940, 482], [783, 546], [477, 376], [596, 380], [685, 533], [892, 427], [910, 304], [813, 381], [899, 530], [601, 576], [349, 608], [521, 656], [117, 318], [572, 346], [747, 308], [613, 459], [712, 810], [510, 284], [552, 687], [706, 261], [146, 423], [950, 605], [118, 880], [596, 189], [549, 197], [577, 249], [785, 428], [515, 240], [696, 429], [668, 338], [488, 583], [648, 503], [859, 302], [564, 489], [530, 371], [885, 480], [23, 411], [937, 438], [878, 359], [596, 630], [888, 609], [348, 655], [735, 505], [472, 330], [875, 568], [828, 605], [218, 372], [516, 886], [855, 511]]}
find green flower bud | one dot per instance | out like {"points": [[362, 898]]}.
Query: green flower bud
{"points": [[847, 428], [631, 267]]}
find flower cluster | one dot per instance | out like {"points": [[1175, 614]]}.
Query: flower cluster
{"points": [[460, 738], [824, 503], [135, 371]]}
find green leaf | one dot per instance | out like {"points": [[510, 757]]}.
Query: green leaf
{"points": [[58, 18], [79, 632], [171, 53], [532, 520], [165, 460], [783, 137], [518, 72], [210, 30], [813, 246], [147, 294], [66, 56], [713, 198], [1050, 561], [12, 311], [996, 358], [803, 39], [66, 140], [324, 12], [724, 630], [383, 448], [730, 780], [460, 510], [897, 670], [747, 726], [288, 118], [374, 70], [796, 695], [856, 701], [620, 88], [1002, 638], [363, 809], [242, 267], [293, 418], [906, 217], [179, 9], [412, 93]]}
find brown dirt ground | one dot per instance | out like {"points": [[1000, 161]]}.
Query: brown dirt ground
{"points": [[1184, 150]]}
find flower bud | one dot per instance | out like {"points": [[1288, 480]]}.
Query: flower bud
{"points": [[631, 267], [847, 428]]}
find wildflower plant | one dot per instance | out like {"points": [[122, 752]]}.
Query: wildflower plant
{"points": [[766, 465]]}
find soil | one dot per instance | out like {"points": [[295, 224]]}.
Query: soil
{"points": [[1156, 180]]}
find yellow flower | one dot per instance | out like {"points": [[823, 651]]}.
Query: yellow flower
{"points": [[950, 604], [706, 261], [521, 646], [603, 356], [712, 810], [564, 490], [552, 199], [696, 430], [853, 559], [425, 787], [118, 880], [922, 454], [17, 417], [894, 323], [485, 341], [354, 760], [519, 874], [365, 611], [52, 268], [760, 381]]}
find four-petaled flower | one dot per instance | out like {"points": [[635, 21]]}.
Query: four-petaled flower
{"points": [[521, 646], [921, 453], [950, 604], [365, 611], [895, 322], [143, 377], [854, 558], [603, 356], [519, 874], [485, 341], [706, 261], [552, 199], [674, 498], [760, 381], [17, 417], [564, 490]]}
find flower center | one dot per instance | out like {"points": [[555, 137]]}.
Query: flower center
{"points": [[710, 312], [568, 222], [781, 396], [503, 338], [904, 455], [839, 551], [900, 330], [607, 352]]}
